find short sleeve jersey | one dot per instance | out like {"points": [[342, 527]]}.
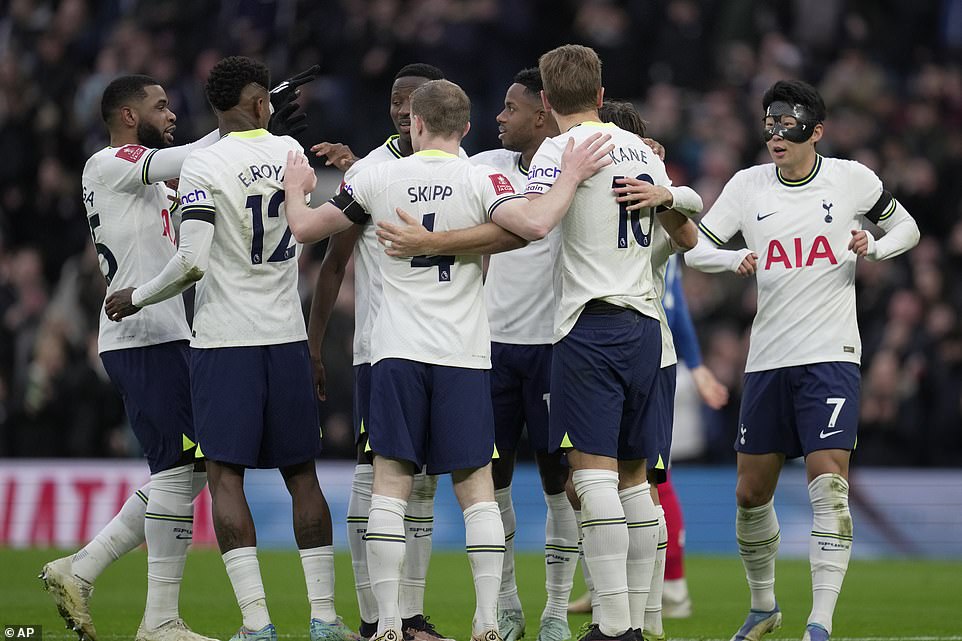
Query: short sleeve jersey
{"points": [[367, 274], [805, 274], [248, 296], [605, 250], [130, 222], [432, 307], [519, 287]]}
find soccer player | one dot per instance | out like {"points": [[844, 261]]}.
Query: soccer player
{"points": [[250, 373], [430, 401], [360, 240], [646, 553], [131, 222], [129, 215], [803, 219], [606, 323]]}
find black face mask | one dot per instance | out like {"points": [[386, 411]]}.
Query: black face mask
{"points": [[804, 122]]}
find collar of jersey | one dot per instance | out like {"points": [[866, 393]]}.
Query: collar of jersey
{"points": [[804, 181], [593, 123], [392, 146], [250, 133], [434, 153], [521, 167]]}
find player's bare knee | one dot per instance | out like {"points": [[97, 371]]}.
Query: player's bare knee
{"points": [[752, 494], [632, 473], [554, 472], [473, 486]]}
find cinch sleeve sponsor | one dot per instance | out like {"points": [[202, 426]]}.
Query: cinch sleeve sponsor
{"points": [[545, 168], [196, 201]]}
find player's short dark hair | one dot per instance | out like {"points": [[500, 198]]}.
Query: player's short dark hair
{"points": [[443, 106], [623, 114], [530, 79], [229, 77], [796, 92], [420, 70], [121, 90]]}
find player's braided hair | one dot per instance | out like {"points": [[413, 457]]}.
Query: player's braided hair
{"points": [[122, 89], [530, 79], [624, 115], [796, 92], [420, 70], [229, 77]]}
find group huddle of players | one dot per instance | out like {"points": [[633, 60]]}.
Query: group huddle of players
{"points": [[567, 339]]}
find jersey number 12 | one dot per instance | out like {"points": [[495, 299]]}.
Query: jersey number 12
{"points": [[284, 249]]}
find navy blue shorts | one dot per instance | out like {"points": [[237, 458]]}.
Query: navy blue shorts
{"points": [[362, 400], [431, 415], [801, 409], [154, 382], [520, 380], [255, 406], [602, 379], [660, 413]]}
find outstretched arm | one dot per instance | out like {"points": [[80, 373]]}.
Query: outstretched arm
{"points": [[705, 256], [413, 239], [533, 217], [165, 164], [309, 225]]}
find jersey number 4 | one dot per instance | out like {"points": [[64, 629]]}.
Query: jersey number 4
{"points": [[284, 249], [443, 263], [643, 238]]}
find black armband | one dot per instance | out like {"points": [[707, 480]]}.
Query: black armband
{"points": [[882, 206], [350, 207]]}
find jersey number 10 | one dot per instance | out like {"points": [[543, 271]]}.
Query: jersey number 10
{"points": [[643, 238], [284, 249]]}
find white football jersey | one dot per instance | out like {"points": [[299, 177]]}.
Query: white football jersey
{"points": [[130, 222], [605, 250], [805, 274], [519, 288], [367, 275], [661, 252], [432, 307], [248, 296]]}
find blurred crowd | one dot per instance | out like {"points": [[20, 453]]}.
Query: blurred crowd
{"points": [[890, 72]]}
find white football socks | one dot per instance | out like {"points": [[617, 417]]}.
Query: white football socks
{"points": [[318, 564], [168, 529], [642, 519], [756, 529], [508, 594], [560, 554], [830, 546], [358, 508], [122, 534], [605, 544], [385, 557], [484, 541], [653, 622], [245, 577], [419, 527]]}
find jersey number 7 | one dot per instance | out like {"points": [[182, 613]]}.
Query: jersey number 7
{"points": [[644, 239], [284, 249]]}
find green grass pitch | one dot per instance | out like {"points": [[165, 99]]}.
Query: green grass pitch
{"points": [[882, 600]]}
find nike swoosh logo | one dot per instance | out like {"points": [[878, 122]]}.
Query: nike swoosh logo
{"points": [[760, 217], [824, 434], [184, 536], [554, 562], [421, 535]]}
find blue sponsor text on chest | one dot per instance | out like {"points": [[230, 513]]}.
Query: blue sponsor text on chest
{"points": [[256, 172]]}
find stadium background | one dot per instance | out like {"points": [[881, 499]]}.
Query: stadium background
{"points": [[890, 71]]}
